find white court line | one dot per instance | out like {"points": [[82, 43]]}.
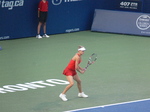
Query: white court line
{"points": [[110, 105]]}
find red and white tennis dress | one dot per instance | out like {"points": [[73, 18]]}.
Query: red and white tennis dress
{"points": [[70, 69]]}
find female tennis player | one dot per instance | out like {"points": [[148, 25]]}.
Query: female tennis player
{"points": [[71, 74]]}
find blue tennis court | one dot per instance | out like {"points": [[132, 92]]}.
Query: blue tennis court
{"points": [[133, 106]]}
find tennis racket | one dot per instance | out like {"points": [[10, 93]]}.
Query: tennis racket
{"points": [[91, 60]]}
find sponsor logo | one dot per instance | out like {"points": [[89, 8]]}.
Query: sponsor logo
{"points": [[11, 4], [143, 22], [32, 85], [4, 37], [58, 2], [72, 30], [128, 5]]}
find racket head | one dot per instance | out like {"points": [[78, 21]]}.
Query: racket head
{"points": [[93, 58]]}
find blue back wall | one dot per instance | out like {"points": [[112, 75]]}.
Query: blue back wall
{"points": [[18, 18]]}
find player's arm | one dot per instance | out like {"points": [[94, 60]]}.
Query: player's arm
{"points": [[81, 68], [77, 67]]}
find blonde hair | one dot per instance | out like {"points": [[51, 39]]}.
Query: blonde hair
{"points": [[80, 46]]}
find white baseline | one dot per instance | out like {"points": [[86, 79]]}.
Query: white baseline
{"points": [[109, 105]]}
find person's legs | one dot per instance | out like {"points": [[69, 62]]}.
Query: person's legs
{"points": [[81, 93], [78, 80], [44, 27], [71, 83], [39, 28]]}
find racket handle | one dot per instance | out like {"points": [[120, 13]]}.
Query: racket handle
{"points": [[85, 68]]}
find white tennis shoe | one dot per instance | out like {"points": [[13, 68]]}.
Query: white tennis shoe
{"points": [[63, 97], [82, 95], [38, 36], [45, 35]]}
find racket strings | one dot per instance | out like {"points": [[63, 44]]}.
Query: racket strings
{"points": [[93, 57], [91, 60]]}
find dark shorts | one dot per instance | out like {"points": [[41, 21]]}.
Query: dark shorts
{"points": [[43, 17]]}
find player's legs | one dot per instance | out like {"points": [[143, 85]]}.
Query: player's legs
{"points": [[78, 80], [71, 83], [81, 93]]}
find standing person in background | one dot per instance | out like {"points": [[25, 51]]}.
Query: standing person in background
{"points": [[71, 74], [42, 15]]}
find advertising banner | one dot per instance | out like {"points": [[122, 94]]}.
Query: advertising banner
{"points": [[130, 5], [121, 22], [19, 18]]}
